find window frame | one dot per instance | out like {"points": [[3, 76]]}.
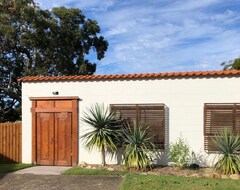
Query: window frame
{"points": [[138, 108], [212, 122]]}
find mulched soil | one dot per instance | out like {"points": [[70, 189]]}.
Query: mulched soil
{"points": [[175, 171], [166, 170]]}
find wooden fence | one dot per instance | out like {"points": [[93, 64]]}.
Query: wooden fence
{"points": [[10, 142]]}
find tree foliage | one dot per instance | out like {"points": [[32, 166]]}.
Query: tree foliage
{"points": [[231, 65], [43, 42]]}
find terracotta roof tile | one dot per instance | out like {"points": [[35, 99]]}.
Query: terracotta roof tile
{"points": [[132, 76]]}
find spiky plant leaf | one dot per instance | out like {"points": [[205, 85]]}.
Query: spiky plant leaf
{"points": [[103, 134], [138, 146], [229, 149]]}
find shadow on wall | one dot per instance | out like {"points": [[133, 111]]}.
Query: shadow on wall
{"points": [[6, 160], [161, 156], [200, 158], [118, 156]]}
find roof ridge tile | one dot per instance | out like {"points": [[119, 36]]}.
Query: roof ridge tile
{"points": [[131, 76]]}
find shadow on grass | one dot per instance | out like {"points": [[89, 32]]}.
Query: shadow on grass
{"points": [[5, 169]]}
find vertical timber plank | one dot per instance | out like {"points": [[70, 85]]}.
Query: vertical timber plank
{"points": [[34, 146], [11, 141], [1, 142], [17, 142], [14, 143], [20, 142], [4, 142], [74, 132]]}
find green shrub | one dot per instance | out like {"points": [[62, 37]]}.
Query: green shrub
{"points": [[179, 153], [229, 148], [137, 146]]}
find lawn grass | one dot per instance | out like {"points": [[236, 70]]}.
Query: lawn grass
{"points": [[83, 171], [4, 168], [139, 181], [136, 181]]}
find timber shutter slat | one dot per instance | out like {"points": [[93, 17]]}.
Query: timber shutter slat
{"points": [[151, 114], [216, 118]]}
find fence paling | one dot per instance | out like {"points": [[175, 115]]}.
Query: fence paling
{"points": [[10, 142]]}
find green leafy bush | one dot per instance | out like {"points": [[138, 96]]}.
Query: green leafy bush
{"points": [[179, 153], [229, 149], [137, 146]]}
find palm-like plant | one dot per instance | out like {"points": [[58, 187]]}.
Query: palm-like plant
{"points": [[229, 147], [138, 146], [104, 133]]}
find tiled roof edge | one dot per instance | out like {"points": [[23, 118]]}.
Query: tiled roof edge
{"points": [[224, 73]]}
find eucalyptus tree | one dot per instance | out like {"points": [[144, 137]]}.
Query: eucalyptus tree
{"points": [[52, 42], [232, 64]]}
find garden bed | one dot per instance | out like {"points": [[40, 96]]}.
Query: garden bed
{"points": [[186, 172], [163, 171]]}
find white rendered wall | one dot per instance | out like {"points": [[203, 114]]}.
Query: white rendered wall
{"points": [[184, 98]]}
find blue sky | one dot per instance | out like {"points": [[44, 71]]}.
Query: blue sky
{"points": [[162, 35]]}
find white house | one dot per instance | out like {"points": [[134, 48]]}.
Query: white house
{"points": [[192, 104]]}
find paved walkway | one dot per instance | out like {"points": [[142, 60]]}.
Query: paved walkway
{"points": [[43, 170], [60, 182]]}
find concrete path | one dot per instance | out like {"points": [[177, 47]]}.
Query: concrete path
{"points": [[58, 182], [43, 170]]}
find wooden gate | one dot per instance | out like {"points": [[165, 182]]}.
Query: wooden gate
{"points": [[55, 131]]}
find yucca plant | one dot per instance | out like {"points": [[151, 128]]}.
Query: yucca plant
{"points": [[104, 133], [228, 145], [137, 146]]}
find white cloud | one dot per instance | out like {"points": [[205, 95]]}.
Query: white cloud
{"points": [[115, 31], [190, 5], [166, 35], [82, 4]]}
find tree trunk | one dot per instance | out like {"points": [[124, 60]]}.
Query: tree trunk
{"points": [[103, 156]]}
